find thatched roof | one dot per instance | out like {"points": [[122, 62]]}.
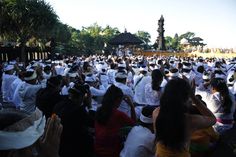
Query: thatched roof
{"points": [[125, 38]]}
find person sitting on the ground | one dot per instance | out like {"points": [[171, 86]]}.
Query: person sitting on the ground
{"points": [[203, 140], [48, 97], [15, 86], [96, 88], [173, 122], [221, 102], [28, 91], [68, 81], [121, 77], [139, 85], [109, 121], [22, 134], [140, 140], [154, 90], [7, 78], [77, 135]]}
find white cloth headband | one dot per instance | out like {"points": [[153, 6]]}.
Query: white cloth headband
{"points": [[8, 67], [143, 69], [220, 76], [205, 77], [121, 75], [186, 67], [145, 119], [22, 139], [174, 74]]}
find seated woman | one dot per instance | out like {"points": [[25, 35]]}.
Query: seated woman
{"points": [[109, 121], [221, 102], [202, 140], [48, 97], [22, 134], [174, 124], [154, 90]]}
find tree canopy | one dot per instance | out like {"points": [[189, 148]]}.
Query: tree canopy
{"points": [[175, 42], [34, 23], [24, 19]]}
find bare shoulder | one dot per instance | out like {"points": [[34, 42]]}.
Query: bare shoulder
{"points": [[196, 122], [155, 114]]}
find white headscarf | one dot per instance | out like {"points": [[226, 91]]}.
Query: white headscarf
{"points": [[23, 133]]}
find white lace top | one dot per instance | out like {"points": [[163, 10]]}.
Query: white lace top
{"points": [[152, 97]]}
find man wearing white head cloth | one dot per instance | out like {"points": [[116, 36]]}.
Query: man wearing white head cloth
{"points": [[121, 79], [20, 134], [7, 78], [187, 72], [95, 88], [28, 91], [139, 85], [140, 140], [231, 81]]}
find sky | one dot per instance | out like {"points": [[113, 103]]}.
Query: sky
{"points": [[212, 20]]}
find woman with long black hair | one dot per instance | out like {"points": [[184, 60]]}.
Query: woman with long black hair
{"points": [[173, 124], [109, 121], [154, 90], [221, 102]]}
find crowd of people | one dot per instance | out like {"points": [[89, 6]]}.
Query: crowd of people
{"points": [[110, 106]]}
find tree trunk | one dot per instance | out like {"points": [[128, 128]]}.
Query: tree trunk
{"points": [[23, 47], [23, 54]]}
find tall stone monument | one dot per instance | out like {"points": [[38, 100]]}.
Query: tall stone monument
{"points": [[160, 42]]}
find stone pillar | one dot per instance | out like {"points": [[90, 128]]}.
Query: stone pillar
{"points": [[161, 39]]}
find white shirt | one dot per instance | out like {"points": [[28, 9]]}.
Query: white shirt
{"points": [[215, 105], [139, 143], [97, 92], [16, 100], [139, 86], [130, 79], [27, 93], [198, 78], [201, 87], [111, 75], [59, 70], [233, 89], [124, 107], [104, 80], [152, 96], [7, 93], [191, 76], [65, 89]]}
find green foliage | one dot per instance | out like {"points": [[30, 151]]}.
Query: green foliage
{"points": [[89, 40], [187, 35], [34, 22], [61, 33], [145, 37], [174, 43], [22, 20]]}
